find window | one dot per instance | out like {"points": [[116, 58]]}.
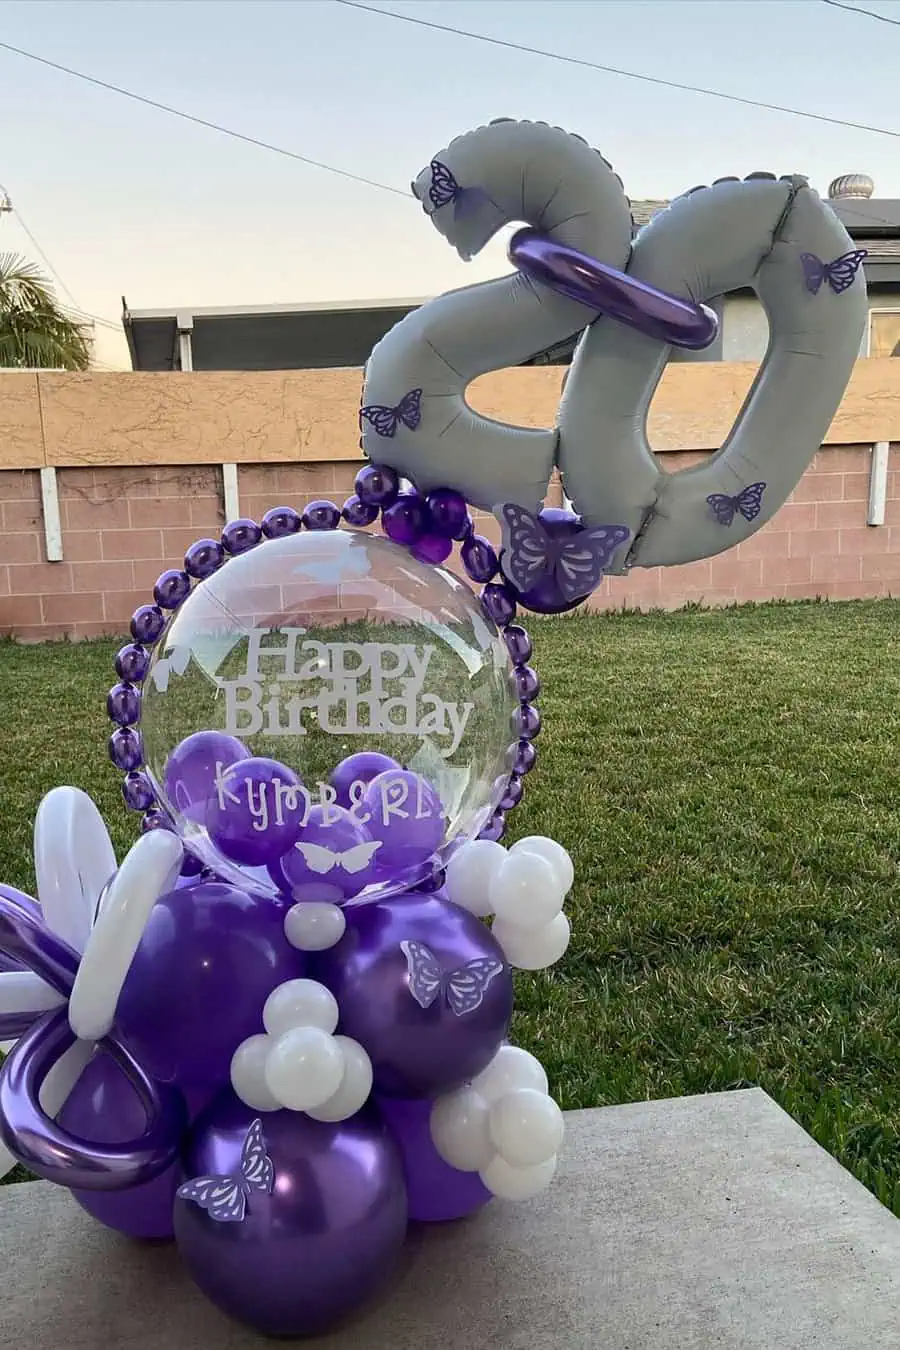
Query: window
{"points": [[884, 332]]}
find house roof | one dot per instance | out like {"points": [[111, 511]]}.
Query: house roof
{"points": [[341, 334]]}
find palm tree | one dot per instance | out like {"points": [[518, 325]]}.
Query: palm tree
{"points": [[35, 330]]}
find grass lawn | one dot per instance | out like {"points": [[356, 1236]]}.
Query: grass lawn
{"points": [[726, 782]]}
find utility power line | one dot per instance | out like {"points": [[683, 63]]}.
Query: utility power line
{"points": [[867, 13], [616, 70]]}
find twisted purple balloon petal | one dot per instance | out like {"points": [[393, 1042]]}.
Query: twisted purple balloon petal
{"points": [[50, 1151], [24, 938]]}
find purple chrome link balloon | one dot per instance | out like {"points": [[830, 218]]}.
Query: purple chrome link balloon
{"points": [[321, 1243], [49, 1150], [635, 303], [25, 939]]}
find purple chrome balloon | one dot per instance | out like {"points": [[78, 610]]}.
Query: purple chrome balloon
{"points": [[495, 829], [580, 277], [137, 791], [147, 623], [479, 558], [123, 705], [50, 1151], [521, 757], [416, 1051], [324, 1241], [407, 816], [204, 557], [432, 548], [208, 960], [406, 519], [377, 485], [447, 512], [358, 513], [359, 768], [255, 814], [239, 536], [132, 661], [25, 939], [172, 588], [331, 861], [518, 644], [189, 778], [126, 748], [498, 600], [321, 515], [437, 1192], [104, 1108], [280, 521]]}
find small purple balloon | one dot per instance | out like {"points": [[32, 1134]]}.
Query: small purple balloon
{"points": [[239, 536], [528, 684], [104, 1108], [437, 1192], [358, 513], [377, 485], [331, 861], [407, 816], [320, 1243], [360, 768], [413, 950], [281, 521], [123, 705], [447, 512], [172, 588], [495, 829], [321, 515], [518, 644], [527, 722], [406, 520], [256, 810], [521, 757], [137, 791], [208, 960], [126, 749], [498, 601], [189, 778], [203, 558], [147, 623], [479, 558], [132, 662], [432, 549]]}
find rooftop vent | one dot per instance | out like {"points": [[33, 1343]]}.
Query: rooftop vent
{"points": [[858, 185]]}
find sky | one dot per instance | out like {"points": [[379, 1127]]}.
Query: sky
{"points": [[128, 200]]}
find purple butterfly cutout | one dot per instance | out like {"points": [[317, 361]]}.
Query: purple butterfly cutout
{"points": [[839, 274], [576, 562], [464, 988], [225, 1198], [444, 187], [747, 503], [386, 420]]}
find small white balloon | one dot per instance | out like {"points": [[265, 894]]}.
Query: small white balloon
{"points": [[459, 1130], [536, 948], [525, 891], [541, 846], [304, 1067], [511, 1069], [517, 1183], [300, 1003], [248, 1074], [470, 872], [527, 1127], [315, 926], [355, 1087]]}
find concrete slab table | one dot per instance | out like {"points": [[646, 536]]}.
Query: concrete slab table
{"points": [[704, 1223]]}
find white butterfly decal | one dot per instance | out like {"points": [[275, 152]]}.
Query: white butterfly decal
{"points": [[176, 663], [464, 988], [323, 860]]}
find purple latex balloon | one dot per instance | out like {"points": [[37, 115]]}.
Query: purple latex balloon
{"points": [[416, 1051], [479, 558], [189, 778], [407, 816], [359, 768], [436, 1192], [358, 513], [331, 861], [635, 303], [50, 1151], [255, 814], [324, 1241], [447, 512], [377, 485], [208, 960], [406, 519], [432, 549], [498, 600], [104, 1108]]}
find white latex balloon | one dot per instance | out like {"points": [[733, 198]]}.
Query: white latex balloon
{"points": [[150, 870], [525, 891], [248, 1074], [511, 1069], [533, 949], [304, 1068], [517, 1183], [300, 1003], [459, 1130], [21, 991], [470, 872], [73, 861], [314, 927], [526, 1127], [544, 847], [355, 1087]]}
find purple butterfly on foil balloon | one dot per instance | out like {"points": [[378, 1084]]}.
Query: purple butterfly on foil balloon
{"points": [[444, 190], [386, 420], [747, 503], [464, 988], [840, 274], [576, 562], [225, 1198]]}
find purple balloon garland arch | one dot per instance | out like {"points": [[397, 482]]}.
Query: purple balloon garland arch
{"points": [[426, 525]]}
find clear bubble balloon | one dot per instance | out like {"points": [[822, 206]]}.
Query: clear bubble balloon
{"points": [[327, 680]]}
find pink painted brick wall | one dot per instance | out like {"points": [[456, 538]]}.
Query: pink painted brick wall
{"points": [[122, 527]]}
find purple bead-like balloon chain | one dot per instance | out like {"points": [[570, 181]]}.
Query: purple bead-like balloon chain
{"points": [[428, 526]]}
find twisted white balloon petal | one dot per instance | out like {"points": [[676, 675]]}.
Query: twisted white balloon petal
{"points": [[73, 861], [148, 871]]}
